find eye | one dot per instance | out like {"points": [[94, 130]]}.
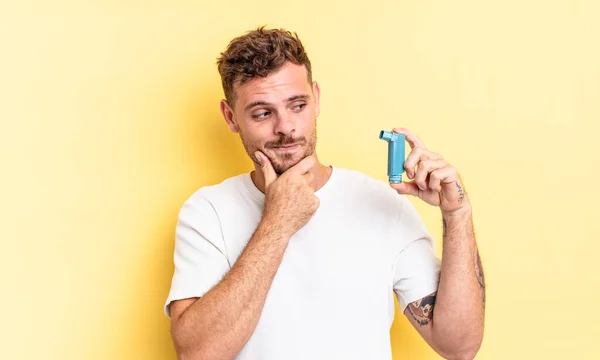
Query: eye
{"points": [[299, 106], [261, 115]]}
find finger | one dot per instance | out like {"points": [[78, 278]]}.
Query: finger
{"points": [[417, 155], [444, 174], [412, 139], [304, 165], [406, 188], [424, 168], [308, 178], [266, 167]]}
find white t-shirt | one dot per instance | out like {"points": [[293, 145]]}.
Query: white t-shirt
{"points": [[332, 296]]}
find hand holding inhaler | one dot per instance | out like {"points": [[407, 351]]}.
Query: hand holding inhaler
{"points": [[434, 180]]}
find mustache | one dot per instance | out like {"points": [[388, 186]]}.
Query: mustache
{"points": [[286, 140]]}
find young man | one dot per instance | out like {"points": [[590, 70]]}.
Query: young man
{"points": [[298, 260]]}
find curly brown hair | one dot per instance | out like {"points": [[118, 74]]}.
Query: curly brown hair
{"points": [[257, 54]]}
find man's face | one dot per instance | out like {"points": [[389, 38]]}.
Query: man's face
{"points": [[277, 115]]}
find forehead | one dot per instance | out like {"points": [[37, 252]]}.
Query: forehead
{"points": [[289, 80]]}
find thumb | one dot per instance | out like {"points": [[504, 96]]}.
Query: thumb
{"points": [[266, 167], [406, 188]]}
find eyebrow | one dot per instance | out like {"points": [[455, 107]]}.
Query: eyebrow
{"points": [[264, 103]]}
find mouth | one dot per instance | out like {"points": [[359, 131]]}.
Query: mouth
{"points": [[286, 148]]}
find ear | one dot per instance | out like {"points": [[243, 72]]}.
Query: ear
{"points": [[317, 94], [229, 116]]}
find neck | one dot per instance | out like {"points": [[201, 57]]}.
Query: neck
{"points": [[320, 172]]}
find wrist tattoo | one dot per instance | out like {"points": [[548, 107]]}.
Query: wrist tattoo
{"points": [[461, 194]]}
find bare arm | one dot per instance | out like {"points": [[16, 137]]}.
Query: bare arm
{"points": [[459, 310], [220, 323], [452, 319]]}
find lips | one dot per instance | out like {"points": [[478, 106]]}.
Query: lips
{"points": [[286, 148]]}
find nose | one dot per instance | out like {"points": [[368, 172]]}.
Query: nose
{"points": [[284, 125]]}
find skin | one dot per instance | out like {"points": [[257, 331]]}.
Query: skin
{"points": [[271, 114], [450, 320], [290, 107]]}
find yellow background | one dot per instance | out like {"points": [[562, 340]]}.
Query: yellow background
{"points": [[109, 121]]}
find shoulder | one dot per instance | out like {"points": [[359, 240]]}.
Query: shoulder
{"points": [[362, 183], [217, 192], [368, 190], [377, 200], [205, 198]]}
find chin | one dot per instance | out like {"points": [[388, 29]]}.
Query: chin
{"points": [[282, 166], [287, 161], [283, 160]]}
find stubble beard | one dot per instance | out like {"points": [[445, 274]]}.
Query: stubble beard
{"points": [[284, 161]]}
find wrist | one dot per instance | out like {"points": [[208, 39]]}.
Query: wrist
{"points": [[457, 215], [271, 228]]}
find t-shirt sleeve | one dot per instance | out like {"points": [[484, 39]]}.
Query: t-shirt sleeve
{"points": [[416, 268], [199, 257]]}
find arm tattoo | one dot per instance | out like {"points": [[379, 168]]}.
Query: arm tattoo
{"points": [[461, 194], [478, 268], [422, 310], [445, 228], [480, 277]]}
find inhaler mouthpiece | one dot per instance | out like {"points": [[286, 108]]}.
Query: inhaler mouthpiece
{"points": [[395, 154]]}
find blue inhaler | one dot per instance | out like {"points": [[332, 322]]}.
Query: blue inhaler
{"points": [[395, 154]]}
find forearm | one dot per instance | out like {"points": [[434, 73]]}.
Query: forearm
{"points": [[221, 322], [458, 318]]}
